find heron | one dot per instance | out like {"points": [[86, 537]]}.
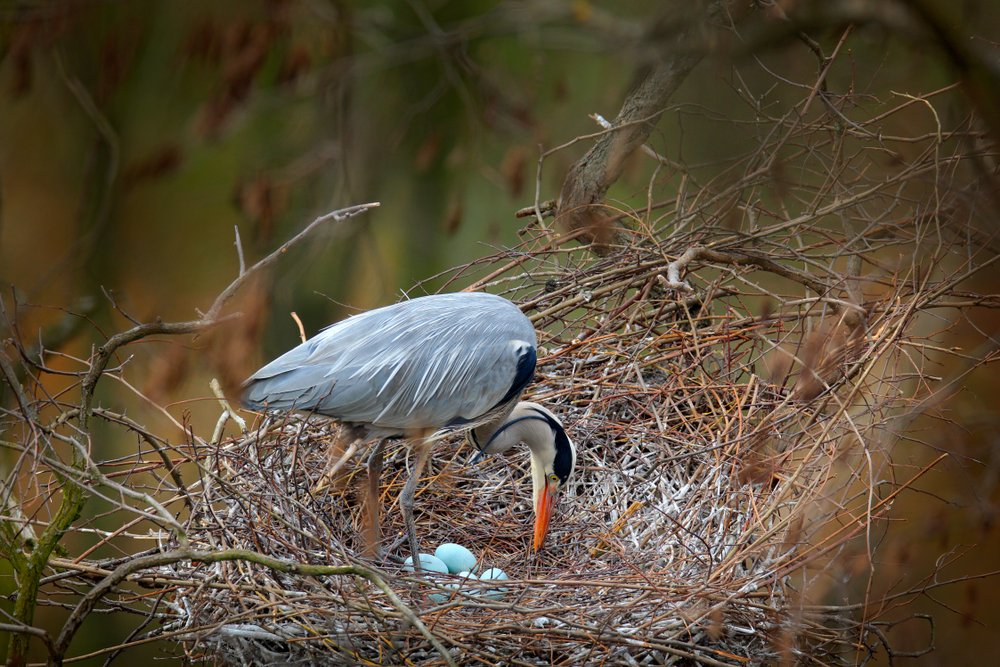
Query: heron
{"points": [[421, 369]]}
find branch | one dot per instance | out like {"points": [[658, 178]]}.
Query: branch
{"points": [[209, 319], [227, 414], [338, 216], [122, 572], [588, 180], [34, 632], [748, 257]]}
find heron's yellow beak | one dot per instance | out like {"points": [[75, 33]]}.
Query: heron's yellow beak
{"points": [[545, 500]]}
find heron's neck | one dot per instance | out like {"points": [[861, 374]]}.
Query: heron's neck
{"points": [[481, 435], [520, 426]]}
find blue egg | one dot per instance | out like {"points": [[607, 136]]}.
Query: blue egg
{"points": [[495, 574], [466, 576], [456, 557], [441, 597], [427, 562]]}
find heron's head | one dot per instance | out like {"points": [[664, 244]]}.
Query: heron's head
{"points": [[552, 463], [553, 455]]}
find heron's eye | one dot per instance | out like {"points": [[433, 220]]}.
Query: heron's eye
{"points": [[554, 478]]}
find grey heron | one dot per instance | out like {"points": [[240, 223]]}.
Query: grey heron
{"points": [[420, 369]]}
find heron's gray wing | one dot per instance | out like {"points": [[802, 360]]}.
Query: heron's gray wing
{"points": [[435, 361]]}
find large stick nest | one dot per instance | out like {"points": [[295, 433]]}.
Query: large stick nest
{"points": [[718, 459]]}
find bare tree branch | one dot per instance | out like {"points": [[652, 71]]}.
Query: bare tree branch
{"points": [[589, 178]]}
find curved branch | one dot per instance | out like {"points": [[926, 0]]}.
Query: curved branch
{"points": [[122, 572], [20, 629], [209, 319]]}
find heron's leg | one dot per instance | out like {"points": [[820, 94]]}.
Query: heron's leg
{"points": [[423, 447], [374, 475]]}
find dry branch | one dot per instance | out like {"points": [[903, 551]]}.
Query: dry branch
{"points": [[587, 182]]}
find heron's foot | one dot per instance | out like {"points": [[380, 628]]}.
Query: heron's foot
{"points": [[415, 551], [392, 555]]}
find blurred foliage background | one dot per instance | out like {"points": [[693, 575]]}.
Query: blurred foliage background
{"points": [[135, 136]]}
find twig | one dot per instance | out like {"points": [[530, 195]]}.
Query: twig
{"points": [[227, 413], [302, 329], [226, 294]]}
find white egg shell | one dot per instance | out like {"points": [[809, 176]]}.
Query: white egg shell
{"points": [[456, 557], [495, 574], [427, 562]]}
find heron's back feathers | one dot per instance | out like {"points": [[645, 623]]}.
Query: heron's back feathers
{"points": [[432, 362]]}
